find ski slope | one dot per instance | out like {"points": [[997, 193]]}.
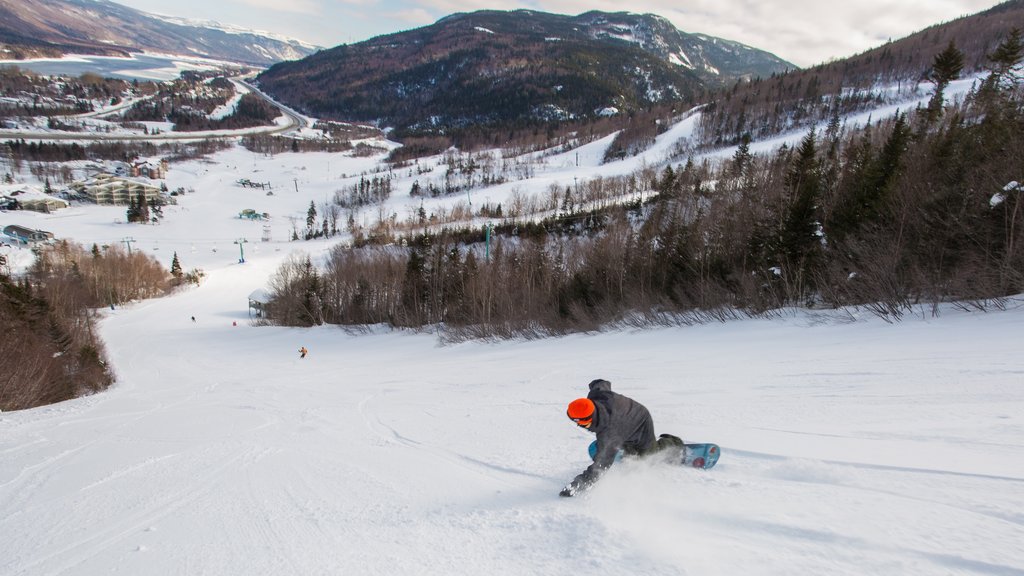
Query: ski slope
{"points": [[851, 446]]}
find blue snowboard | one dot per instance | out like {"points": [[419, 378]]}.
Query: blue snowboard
{"points": [[703, 456]]}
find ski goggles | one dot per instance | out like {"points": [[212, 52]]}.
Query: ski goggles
{"points": [[583, 422]]}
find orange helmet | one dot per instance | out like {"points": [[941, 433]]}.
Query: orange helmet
{"points": [[581, 411]]}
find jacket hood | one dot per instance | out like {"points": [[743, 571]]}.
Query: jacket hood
{"points": [[602, 385]]}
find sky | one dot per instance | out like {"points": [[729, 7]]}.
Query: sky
{"points": [[804, 32], [850, 445]]}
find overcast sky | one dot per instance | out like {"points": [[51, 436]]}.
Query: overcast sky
{"points": [[804, 32]]}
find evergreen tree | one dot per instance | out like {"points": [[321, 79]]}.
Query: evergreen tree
{"points": [[567, 203], [946, 67], [1003, 73], [1007, 56], [741, 159], [176, 268], [889, 159], [666, 186], [142, 206], [311, 313], [800, 239], [869, 182], [133, 210], [310, 220]]}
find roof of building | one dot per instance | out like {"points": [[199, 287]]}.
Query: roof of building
{"points": [[260, 295], [25, 194]]}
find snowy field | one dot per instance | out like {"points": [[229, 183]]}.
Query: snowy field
{"points": [[854, 447], [850, 446], [144, 66]]}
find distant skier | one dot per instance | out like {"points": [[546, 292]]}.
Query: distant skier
{"points": [[193, 319], [303, 352], [619, 423]]}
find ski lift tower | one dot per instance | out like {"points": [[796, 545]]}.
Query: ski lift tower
{"points": [[241, 250]]}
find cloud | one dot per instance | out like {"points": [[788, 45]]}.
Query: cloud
{"points": [[414, 16], [307, 7], [805, 32]]}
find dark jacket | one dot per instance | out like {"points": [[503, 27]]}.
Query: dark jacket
{"points": [[619, 423]]}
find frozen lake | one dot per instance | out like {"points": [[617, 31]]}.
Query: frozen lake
{"points": [[139, 67]]}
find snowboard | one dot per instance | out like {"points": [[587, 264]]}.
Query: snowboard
{"points": [[703, 456]]}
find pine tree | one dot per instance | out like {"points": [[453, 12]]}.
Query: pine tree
{"points": [[310, 220], [870, 181], [133, 211], [1002, 70], [142, 206], [667, 185], [741, 159], [800, 241], [176, 268], [1007, 55], [311, 312], [946, 67]]}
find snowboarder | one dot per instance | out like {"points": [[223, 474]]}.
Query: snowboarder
{"points": [[620, 423], [303, 352], [193, 319]]}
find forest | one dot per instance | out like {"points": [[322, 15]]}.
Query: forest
{"points": [[913, 210], [52, 351]]}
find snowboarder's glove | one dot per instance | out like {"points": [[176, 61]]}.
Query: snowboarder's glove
{"points": [[574, 488]]}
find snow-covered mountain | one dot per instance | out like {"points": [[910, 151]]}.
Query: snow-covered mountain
{"points": [[494, 67], [707, 55], [56, 27]]}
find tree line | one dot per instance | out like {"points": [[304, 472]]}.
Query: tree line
{"points": [[51, 350], [60, 95], [798, 99]]}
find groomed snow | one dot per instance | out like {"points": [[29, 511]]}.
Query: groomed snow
{"points": [[851, 446]]}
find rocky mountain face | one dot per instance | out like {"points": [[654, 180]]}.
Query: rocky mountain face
{"points": [[712, 58], [513, 68], [33, 28]]}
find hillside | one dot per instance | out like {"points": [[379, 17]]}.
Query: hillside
{"points": [[512, 68], [884, 438], [52, 28], [898, 70], [849, 447]]}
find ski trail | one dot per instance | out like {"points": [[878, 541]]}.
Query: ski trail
{"points": [[383, 430], [67, 557]]}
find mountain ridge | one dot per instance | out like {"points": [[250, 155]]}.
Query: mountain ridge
{"points": [[52, 28], [512, 67]]}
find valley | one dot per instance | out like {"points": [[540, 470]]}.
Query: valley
{"points": [[323, 314]]}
